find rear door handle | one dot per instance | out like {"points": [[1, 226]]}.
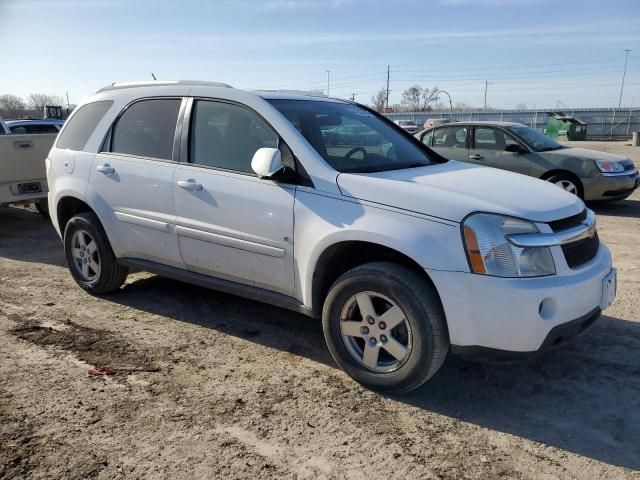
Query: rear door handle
{"points": [[106, 168], [476, 157], [189, 185]]}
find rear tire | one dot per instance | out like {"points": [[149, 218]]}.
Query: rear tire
{"points": [[91, 260], [385, 326], [43, 208]]}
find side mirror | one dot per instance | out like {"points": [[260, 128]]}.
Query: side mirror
{"points": [[267, 162], [515, 148]]}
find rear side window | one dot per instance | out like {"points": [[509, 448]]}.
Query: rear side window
{"points": [[33, 129], [147, 129], [82, 124]]}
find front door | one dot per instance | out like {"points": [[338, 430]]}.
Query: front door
{"points": [[230, 223], [490, 147], [132, 182]]}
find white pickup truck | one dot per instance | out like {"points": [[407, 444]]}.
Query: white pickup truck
{"points": [[22, 168]]}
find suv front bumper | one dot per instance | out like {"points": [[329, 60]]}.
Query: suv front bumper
{"points": [[508, 314]]}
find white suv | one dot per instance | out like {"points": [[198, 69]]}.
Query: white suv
{"points": [[325, 207]]}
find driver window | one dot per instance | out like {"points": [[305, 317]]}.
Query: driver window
{"points": [[450, 137], [492, 139]]}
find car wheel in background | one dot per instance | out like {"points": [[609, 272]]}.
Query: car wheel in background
{"points": [[385, 326], [567, 183], [90, 257]]}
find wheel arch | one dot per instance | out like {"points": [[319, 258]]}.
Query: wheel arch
{"points": [[344, 255], [560, 171]]}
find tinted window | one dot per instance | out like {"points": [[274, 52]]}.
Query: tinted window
{"points": [[450, 137], [147, 129], [227, 136], [492, 139], [350, 138], [82, 124], [33, 129]]}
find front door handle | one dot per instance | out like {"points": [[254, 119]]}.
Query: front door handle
{"points": [[477, 156], [106, 168], [189, 185]]}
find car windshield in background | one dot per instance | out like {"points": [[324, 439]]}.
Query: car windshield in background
{"points": [[536, 140], [350, 138]]}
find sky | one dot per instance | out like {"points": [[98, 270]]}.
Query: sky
{"points": [[540, 53]]}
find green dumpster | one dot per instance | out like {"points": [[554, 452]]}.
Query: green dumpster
{"points": [[564, 127]]}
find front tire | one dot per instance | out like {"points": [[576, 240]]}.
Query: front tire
{"points": [[567, 183], [385, 326], [91, 260]]}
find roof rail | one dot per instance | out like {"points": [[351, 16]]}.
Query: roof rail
{"points": [[150, 83], [308, 93]]}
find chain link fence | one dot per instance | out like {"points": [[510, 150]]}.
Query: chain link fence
{"points": [[602, 123]]}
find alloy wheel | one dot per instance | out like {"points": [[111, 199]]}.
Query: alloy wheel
{"points": [[86, 258], [376, 331], [567, 185]]}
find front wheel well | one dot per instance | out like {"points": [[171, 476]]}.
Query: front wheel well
{"points": [[567, 173], [69, 207], [343, 256]]}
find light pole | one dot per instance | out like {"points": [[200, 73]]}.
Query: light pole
{"points": [[328, 73], [450, 104], [624, 73], [486, 85]]}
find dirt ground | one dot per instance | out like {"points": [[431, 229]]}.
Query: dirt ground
{"points": [[208, 385]]}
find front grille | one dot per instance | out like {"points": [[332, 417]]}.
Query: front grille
{"points": [[580, 252], [569, 222]]}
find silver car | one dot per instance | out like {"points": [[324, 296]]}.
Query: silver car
{"points": [[590, 174]]}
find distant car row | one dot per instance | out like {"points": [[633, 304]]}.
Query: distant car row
{"points": [[589, 174]]}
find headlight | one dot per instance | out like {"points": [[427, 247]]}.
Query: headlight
{"points": [[606, 166], [490, 253]]}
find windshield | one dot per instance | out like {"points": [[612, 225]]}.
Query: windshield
{"points": [[536, 140], [350, 138]]}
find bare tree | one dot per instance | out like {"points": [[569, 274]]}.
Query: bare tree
{"points": [[12, 106], [463, 107], [521, 106], [419, 99], [412, 98], [37, 101], [379, 100], [428, 97]]}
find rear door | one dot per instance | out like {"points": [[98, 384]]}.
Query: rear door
{"points": [[451, 142], [489, 148], [230, 223], [132, 178]]}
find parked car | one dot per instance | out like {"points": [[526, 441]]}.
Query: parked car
{"points": [[403, 254], [435, 122], [22, 167], [589, 174], [29, 126], [408, 125], [4, 130]]}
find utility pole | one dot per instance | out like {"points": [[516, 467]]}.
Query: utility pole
{"points": [[353, 97], [387, 101], [68, 104], [328, 81], [486, 85], [624, 73]]}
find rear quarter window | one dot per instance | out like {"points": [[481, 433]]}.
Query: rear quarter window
{"points": [[82, 124]]}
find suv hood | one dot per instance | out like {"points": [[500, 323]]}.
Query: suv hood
{"points": [[452, 190]]}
